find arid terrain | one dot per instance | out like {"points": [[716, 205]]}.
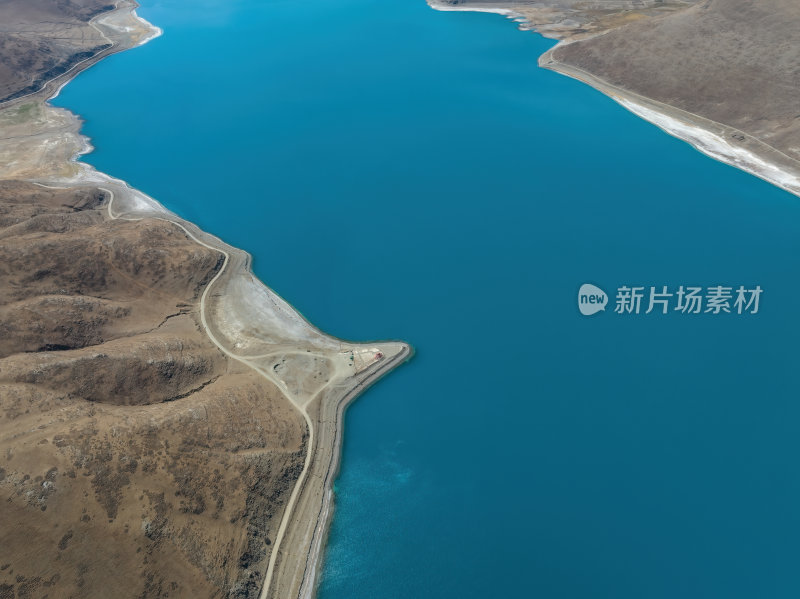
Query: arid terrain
{"points": [[43, 39], [137, 459], [736, 62], [169, 427]]}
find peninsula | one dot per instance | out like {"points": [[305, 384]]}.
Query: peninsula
{"points": [[169, 426]]}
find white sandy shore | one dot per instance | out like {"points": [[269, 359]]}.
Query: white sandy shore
{"points": [[716, 140], [716, 146], [154, 31], [506, 12]]}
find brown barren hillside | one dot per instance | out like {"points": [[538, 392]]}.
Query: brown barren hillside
{"points": [[41, 40], [136, 459], [736, 62]]}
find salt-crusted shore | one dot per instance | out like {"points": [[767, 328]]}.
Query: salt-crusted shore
{"points": [[505, 12], [721, 142], [245, 319]]}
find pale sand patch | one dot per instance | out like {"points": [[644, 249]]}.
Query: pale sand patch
{"points": [[717, 147], [721, 142], [457, 8]]}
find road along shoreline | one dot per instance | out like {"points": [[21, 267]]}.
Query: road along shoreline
{"points": [[325, 514]]}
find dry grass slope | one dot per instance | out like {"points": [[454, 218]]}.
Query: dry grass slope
{"points": [[736, 62], [42, 39], [136, 460]]}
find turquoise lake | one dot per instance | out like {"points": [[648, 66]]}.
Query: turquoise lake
{"points": [[398, 172]]}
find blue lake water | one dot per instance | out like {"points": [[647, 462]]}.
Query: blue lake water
{"points": [[403, 173]]}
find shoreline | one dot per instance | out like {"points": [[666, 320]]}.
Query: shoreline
{"points": [[244, 302], [509, 13], [115, 46], [296, 574], [708, 137]]}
